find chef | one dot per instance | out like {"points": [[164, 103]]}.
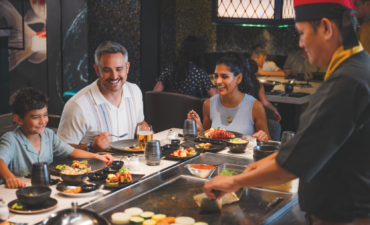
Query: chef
{"points": [[330, 153]]}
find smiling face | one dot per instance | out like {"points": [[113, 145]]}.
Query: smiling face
{"points": [[112, 71], [225, 80], [34, 122]]}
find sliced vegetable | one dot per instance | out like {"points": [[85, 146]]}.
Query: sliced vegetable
{"points": [[136, 220], [185, 220], [30, 194], [200, 223], [147, 215], [17, 206], [158, 217], [162, 223], [120, 218], [228, 173], [149, 222], [169, 219], [134, 211]]}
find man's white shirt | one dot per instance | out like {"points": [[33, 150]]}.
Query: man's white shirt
{"points": [[89, 113], [270, 66]]}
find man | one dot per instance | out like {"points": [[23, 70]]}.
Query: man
{"points": [[108, 106], [297, 62], [266, 68], [363, 34], [329, 152]]}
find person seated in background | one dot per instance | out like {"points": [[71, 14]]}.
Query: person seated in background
{"points": [[233, 108], [110, 105], [363, 34], [265, 68], [187, 75], [297, 62], [31, 141], [259, 91]]}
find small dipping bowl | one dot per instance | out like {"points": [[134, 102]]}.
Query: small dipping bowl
{"points": [[100, 175], [88, 187], [268, 143], [237, 147], [175, 142], [116, 164], [108, 170], [39, 195], [260, 152], [202, 173]]}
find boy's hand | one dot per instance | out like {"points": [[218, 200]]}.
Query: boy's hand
{"points": [[107, 158], [15, 183], [101, 142]]}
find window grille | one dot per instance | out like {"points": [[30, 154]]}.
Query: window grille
{"points": [[254, 9], [288, 9]]}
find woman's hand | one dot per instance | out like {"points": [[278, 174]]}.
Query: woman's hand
{"points": [[261, 136], [107, 158], [277, 116], [15, 182], [194, 116]]}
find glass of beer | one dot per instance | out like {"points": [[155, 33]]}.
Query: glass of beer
{"points": [[144, 134]]}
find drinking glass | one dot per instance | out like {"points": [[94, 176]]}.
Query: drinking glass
{"points": [[153, 153], [144, 134], [286, 136], [40, 174], [190, 129]]}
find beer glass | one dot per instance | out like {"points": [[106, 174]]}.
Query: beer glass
{"points": [[144, 134]]}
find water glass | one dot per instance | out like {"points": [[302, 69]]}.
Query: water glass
{"points": [[286, 136], [190, 129], [40, 174], [153, 153], [144, 134]]}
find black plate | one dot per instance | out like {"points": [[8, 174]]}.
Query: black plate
{"points": [[237, 135], [123, 145], [95, 164], [217, 145], [48, 205], [168, 156], [135, 178]]}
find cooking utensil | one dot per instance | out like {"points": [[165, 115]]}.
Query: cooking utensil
{"points": [[123, 135], [34, 195], [40, 174], [228, 198], [75, 216], [211, 205], [202, 173]]}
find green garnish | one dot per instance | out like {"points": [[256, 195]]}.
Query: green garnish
{"points": [[123, 169], [218, 128], [17, 206], [228, 173], [30, 194], [134, 146], [61, 167]]}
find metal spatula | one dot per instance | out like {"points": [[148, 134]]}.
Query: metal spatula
{"points": [[208, 205]]}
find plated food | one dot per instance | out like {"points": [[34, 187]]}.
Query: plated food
{"points": [[82, 190], [123, 176], [133, 147], [218, 133], [228, 172], [74, 190], [203, 167], [182, 153], [74, 171], [238, 141], [203, 145]]}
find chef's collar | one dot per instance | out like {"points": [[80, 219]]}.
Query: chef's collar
{"points": [[100, 99], [308, 10], [367, 18]]}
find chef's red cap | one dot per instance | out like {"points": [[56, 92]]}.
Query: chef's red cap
{"points": [[307, 10]]}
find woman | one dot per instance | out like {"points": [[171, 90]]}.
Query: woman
{"points": [[187, 76], [233, 108], [259, 91]]}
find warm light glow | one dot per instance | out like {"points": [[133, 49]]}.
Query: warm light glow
{"points": [[255, 9], [257, 25]]}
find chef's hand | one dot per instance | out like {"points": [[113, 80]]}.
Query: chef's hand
{"points": [[277, 116], [261, 136], [223, 183], [101, 142], [15, 182], [194, 116], [107, 158]]}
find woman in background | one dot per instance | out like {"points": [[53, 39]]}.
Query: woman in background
{"points": [[233, 108], [187, 75], [259, 91]]}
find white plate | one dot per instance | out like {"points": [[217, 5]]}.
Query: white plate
{"points": [[61, 187]]}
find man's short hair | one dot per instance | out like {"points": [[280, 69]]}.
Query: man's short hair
{"points": [[26, 99], [337, 21], [259, 50], [363, 1], [109, 47]]}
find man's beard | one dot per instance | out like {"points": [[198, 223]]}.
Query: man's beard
{"points": [[107, 87]]}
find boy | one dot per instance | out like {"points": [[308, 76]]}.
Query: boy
{"points": [[266, 68], [31, 142]]}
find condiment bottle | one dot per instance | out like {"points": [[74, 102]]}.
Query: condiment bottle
{"points": [[4, 211], [134, 164], [171, 135]]}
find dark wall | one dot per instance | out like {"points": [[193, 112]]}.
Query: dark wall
{"points": [[4, 76]]}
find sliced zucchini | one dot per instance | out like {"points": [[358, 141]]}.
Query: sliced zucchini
{"points": [[158, 217], [200, 223], [147, 215], [149, 222], [136, 220], [185, 220], [120, 218]]}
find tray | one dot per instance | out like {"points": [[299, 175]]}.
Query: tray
{"points": [[95, 164], [123, 145], [175, 198], [237, 135]]}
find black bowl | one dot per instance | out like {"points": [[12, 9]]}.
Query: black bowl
{"points": [[264, 151], [268, 87], [39, 195], [237, 147], [74, 179], [88, 187], [116, 164], [268, 143], [108, 170], [175, 142], [100, 175]]}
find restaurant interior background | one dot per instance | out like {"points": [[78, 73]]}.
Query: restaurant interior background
{"points": [[151, 30]]}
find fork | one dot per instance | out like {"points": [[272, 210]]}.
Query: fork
{"points": [[123, 135]]}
